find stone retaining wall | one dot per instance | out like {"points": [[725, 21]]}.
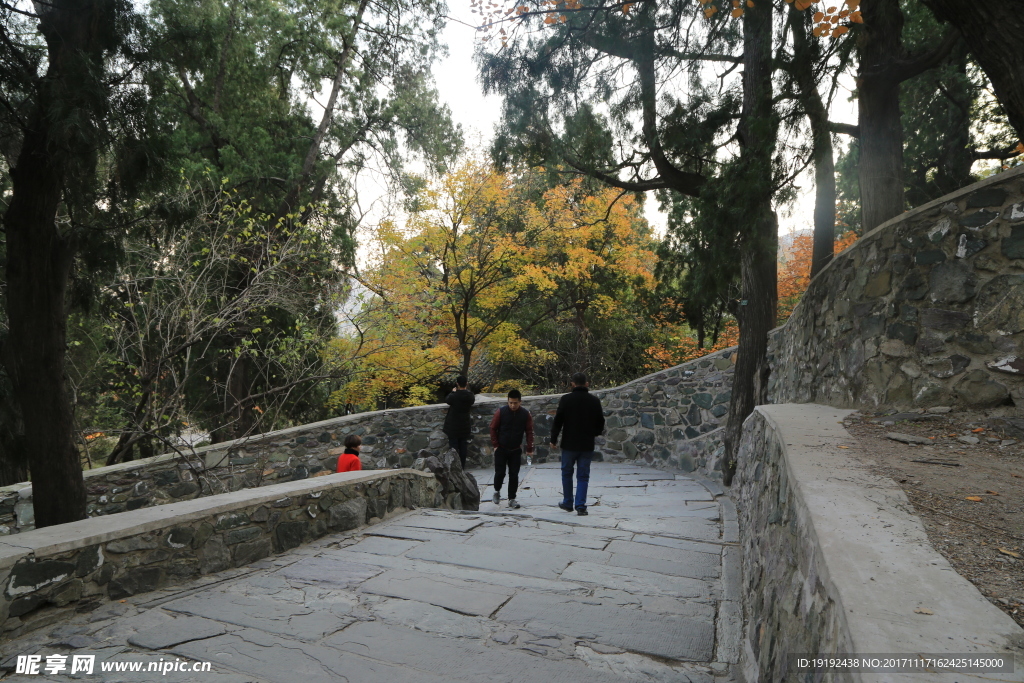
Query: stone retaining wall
{"points": [[668, 417], [787, 603], [49, 571], [925, 310], [834, 562]]}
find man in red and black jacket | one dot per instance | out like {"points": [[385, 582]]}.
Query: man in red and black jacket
{"points": [[508, 427], [580, 420]]}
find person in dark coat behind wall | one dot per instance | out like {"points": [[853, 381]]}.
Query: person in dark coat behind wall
{"points": [[580, 420], [457, 423]]}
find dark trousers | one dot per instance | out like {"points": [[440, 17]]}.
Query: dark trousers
{"points": [[580, 460], [462, 446], [511, 459]]}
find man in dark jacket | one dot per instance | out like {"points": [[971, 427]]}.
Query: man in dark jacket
{"points": [[579, 419], [457, 422], [509, 425]]}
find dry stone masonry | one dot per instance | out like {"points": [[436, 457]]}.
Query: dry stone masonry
{"points": [[926, 310]]}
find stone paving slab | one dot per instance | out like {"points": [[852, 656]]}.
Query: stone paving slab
{"points": [[680, 528], [694, 567], [704, 555], [496, 559], [679, 543], [465, 597], [178, 631], [638, 581], [647, 476], [272, 658], [307, 622], [459, 523], [519, 541], [674, 510], [564, 536], [460, 660], [422, 616], [604, 533], [412, 533], [635, 630], [380, 545], [501, 578], [330, 571]]}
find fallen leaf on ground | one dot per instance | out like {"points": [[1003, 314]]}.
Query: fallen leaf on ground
{"points": [[992, 493], [978, 430], [1004, 551], [1017, 475], [976, 499], [845, 447], [923, 610]]}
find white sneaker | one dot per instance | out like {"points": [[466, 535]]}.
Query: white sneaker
{"points": [[513, 503], [496, 498]]}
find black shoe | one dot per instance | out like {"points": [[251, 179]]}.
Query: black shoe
{"points": [[567, 508], [581, 511]]}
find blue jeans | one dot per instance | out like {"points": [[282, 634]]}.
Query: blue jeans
{"points": [[580, 459]]}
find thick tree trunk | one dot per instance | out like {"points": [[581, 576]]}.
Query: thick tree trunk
{"points": [[757, 133], [38, 269], [40, 257], [878, 101], [993, 33]]}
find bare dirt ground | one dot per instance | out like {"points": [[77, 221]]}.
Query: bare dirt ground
{"points": [[966, 484]]}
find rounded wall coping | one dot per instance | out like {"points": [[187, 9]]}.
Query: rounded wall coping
{"points": [[61, 538], [874, 555]]}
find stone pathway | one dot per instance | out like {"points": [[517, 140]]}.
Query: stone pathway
{"points": [[645, 588]]}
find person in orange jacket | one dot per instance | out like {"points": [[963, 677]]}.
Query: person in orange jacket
{"points": [[349, 460]]}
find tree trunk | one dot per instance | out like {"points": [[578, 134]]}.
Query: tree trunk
{"points": [[878, 103], [824, 202], [241, 412], [954, 167], [39, 263], [756, 133], [993, 32], [40, 257], [804, 57]]}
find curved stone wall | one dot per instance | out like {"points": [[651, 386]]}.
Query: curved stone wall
{"points": [[670, 417], [925, 310]]}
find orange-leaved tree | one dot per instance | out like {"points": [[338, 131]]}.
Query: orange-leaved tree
{"points": [[795, 269], [453, 276], [595, 257]]}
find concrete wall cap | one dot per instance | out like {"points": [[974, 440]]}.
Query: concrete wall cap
{"points": [[878, 558]]}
